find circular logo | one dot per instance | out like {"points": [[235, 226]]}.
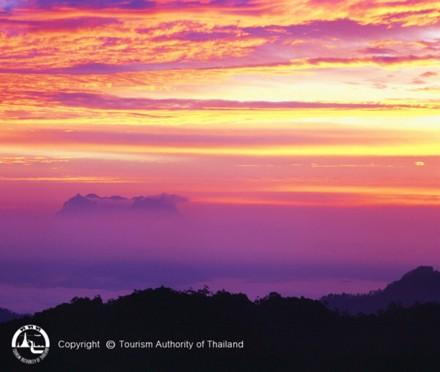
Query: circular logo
{"points": [[30, 344]]}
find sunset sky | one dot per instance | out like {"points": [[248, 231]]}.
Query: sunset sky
{"points": [[227, 101], [239, 103]]}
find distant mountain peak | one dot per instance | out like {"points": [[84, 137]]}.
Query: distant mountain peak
{"points": [[95, 204], [90, 196], [421, 285], [421, 272]]}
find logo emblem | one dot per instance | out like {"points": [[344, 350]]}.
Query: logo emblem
{"points": [[30, 344]]}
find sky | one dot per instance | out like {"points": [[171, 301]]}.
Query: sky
{"points": [[257, 112]]}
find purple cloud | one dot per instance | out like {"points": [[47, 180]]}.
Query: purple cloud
{"points": [[55, 25], [145, 4], [106, 101], [340, 28], [132, 4]]}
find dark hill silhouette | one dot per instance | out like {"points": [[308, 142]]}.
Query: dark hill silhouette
{"points": [[279, 334], [421, 285], [7, 315]]}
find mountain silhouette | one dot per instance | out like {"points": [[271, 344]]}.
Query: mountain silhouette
{"points": [[7, 315], [92, 204], [277, 334], [421, 285]]}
